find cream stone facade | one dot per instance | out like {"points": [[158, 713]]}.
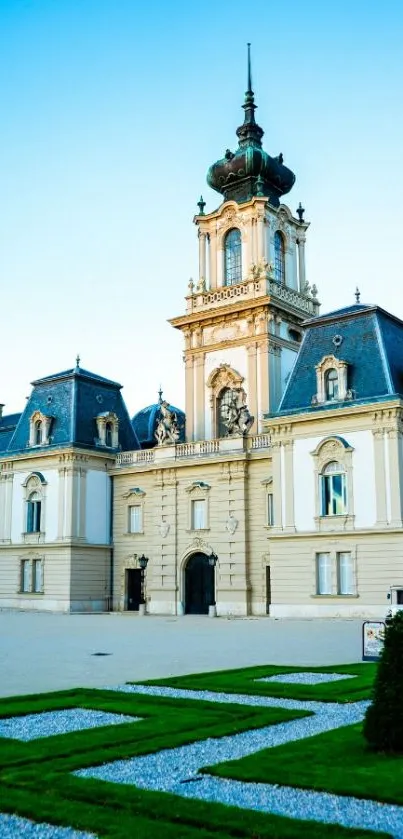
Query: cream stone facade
{"points": [[278, 492]]}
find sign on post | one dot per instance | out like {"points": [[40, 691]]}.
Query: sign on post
{"points": [[373, 634]]}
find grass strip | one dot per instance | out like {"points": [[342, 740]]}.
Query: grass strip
{"points": [[337, 762], [114, 812], [245, 681]]}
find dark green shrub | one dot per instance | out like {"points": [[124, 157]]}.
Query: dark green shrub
{"points": [[383, 725]]}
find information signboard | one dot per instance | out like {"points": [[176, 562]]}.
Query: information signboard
{"points": [[373, 634]]}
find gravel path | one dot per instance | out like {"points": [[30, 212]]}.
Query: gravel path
{"points": [[49, 723], [12, 826], [177, 770]]}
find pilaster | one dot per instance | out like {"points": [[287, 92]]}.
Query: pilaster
{"points": [[252, 385], [380, 477], [189, 397], [395, 470], [200, 399]]}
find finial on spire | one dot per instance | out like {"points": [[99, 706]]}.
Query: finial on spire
{"points": [[357, 295], [201, 205], [77, 360], [160, 396], [249, 73]]}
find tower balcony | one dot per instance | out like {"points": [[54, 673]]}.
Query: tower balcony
{"points": [[256, 287]]}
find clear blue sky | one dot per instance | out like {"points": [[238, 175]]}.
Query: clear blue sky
{"points": [[112, 111]]}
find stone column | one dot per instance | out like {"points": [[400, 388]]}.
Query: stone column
{"points": [[6, 502], [202, 255], [200, 400], [189, 397], [380, 477], [61, 503], [277, 485], [263, 350], [301, 263], [260, 238], [251, 396], [394, 443], [289, 486], [213, 259]]}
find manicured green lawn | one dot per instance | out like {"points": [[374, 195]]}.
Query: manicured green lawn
{"points": [[245, 681], [338, 761], [36, 779]]}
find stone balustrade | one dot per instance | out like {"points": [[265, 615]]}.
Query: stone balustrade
{"points": [[200, 448], [249, 289]]}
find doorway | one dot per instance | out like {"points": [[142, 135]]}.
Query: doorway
{"points": [[133, 589], [199, 585], [268, 590]]}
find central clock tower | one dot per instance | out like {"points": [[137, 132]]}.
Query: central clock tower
{"points": [[242, 326]]}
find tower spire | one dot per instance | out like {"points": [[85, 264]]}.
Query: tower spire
{"points": [[250, 133], [249, 73]]}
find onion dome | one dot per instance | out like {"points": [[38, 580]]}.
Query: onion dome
{"points": [[145, 423], [250, 170]]}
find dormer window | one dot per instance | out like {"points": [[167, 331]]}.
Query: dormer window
{"points": [[38, 432], [331, 384], [108, 435], [108, 430], [331, 381], [233, 257], [39, 427], [279, 258]]}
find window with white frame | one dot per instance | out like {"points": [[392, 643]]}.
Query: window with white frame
{"points": [[199, 514], [34, 507], [323, 573], [135, 518], [331, 385], [31, 574], [345, 573], [333, 490], [270, 509], [37, 576], [25, 575], [279, 258], [39, 428]]}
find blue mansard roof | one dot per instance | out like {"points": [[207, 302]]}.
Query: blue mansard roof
{"points": [[368, 339], [73, 398]]}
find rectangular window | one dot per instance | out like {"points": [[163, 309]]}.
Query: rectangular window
{"points": [[135, 519], [33, 516], [324, 573], [270, 510], [345, 573], [334, 500], [25, 575], [37, 576], [199, 515]]}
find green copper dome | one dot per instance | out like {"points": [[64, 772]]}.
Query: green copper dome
{"points": [[250, 170]]}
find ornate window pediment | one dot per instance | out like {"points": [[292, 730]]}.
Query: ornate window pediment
{"points": [[39, 427], [331, 381], [134, 492], [108, 430], [199, 487]]}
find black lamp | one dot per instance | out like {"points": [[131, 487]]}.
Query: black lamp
{"points": [[213, 559], [143, 561]]}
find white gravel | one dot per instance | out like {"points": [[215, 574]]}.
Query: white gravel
{"points": [[13, 826], [306, 678], [177, 770], [49, 723]]}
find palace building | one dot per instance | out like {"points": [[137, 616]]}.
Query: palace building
{"points": [[278, 491]]}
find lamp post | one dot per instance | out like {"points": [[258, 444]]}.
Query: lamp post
{"points": [[212, 561], [143, 562]]}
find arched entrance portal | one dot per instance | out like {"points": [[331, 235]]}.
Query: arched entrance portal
{"points": [[199, 585]]}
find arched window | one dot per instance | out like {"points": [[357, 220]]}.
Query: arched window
{"points": [[34, 505], [334, 491], [108, 435], [38, 433], [331, 385], [233, 257], [224, 408], [279, 258]]}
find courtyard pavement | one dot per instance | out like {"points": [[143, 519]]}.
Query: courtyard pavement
{"points": [[45, 652]]}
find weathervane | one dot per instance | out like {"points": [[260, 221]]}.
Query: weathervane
{"points": [[357, 295]]}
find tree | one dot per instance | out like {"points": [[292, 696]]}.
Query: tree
{"points": [[383, 725]]}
